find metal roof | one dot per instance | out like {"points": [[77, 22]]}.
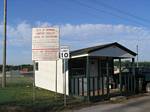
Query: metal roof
{"points": [[99, 47]]}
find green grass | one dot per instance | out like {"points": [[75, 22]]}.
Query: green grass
{"points": [[19, 92]]}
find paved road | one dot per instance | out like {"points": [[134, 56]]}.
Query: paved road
{"points": [[141, 104]]}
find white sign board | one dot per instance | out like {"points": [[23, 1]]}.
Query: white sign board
{"points": [[64, 52], [45, 44]]}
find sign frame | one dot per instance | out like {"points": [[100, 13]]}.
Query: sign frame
{"points": [[45, 44]]}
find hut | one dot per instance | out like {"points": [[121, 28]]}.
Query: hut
{"points": [[89, 73]]}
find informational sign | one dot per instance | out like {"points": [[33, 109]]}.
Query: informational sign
{"points": [[45, 44], [64, 52]]}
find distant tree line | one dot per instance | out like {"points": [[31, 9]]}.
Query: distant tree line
{"points": [[128, 64], [17, 67], [30, 67]]}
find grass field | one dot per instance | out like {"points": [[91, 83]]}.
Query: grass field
{"points": [[19, 94]]}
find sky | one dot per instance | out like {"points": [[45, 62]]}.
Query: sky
{"points": [[82, 23]]}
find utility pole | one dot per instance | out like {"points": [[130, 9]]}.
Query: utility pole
{"points": [[137, 63], [4, 45]]}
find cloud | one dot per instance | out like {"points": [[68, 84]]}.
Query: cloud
{"points": [[18, 35], [21, 33], [82, 35], [91, 34], [92, 31]]}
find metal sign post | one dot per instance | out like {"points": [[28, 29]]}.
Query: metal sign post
{"points": [[33, 81], [64, 83], [64, 55]]}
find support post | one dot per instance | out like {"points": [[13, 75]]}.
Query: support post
{"points": [[88, 78], [98, 78], [137, 63], [133, 73], [120, 75], [34, 64], [64, 82], [4, 45], [107, 73]]}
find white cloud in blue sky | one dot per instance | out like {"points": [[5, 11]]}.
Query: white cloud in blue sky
{"points": [[18, 35], [76, 36]]}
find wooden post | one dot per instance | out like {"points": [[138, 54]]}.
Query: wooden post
{"points": [[98, 78], [131, 77], [82, 86], [102, 75], [107, 73], [133, 73], [129, 90], [88, 78], [120, 75], [4, 46]]}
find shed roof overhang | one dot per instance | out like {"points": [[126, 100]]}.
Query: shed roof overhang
{"points": [[114, 50]]}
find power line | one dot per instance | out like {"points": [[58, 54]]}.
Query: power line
{"points": [[110, 13], [122, 12]]}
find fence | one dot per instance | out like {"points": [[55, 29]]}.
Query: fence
{"points": [[104, 86]]}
